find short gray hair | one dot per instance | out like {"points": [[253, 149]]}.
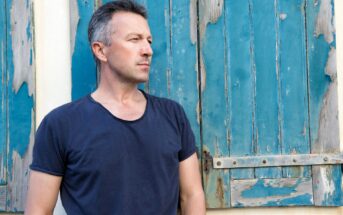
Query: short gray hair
{"points": [[99, 28]]}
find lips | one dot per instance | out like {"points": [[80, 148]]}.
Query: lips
{"points": [[144, 64]]}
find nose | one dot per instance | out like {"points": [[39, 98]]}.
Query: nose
{"points": [[146, 49]]}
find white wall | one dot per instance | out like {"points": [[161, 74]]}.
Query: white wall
{"points": [[53, 60], [53, 82]]}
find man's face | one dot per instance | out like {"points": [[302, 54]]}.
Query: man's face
{"points": [[129, 54]]}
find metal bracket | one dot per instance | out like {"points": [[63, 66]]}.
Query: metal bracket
{"points": [[276, 160]]}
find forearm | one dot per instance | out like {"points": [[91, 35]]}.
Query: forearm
{"points": [[193, 204], [42, 193], [31, 210]]}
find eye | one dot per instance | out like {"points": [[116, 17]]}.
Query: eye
{"points": [[134, 39], [150, 41]]}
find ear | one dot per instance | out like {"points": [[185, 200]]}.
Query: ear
{"points": [[98, 50]]}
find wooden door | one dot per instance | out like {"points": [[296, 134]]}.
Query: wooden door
{"points": [[17, 109], [271, 65], [257, 78]]}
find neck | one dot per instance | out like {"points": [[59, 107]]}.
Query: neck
{"points": [[111, 89]]}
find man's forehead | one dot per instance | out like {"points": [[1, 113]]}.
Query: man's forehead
{"points": [[130, 23]]}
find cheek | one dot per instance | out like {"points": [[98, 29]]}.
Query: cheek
{"points": [[122, 55]]}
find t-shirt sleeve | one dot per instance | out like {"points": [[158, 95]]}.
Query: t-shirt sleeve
{"points": [[47, 150], [187, 137]]}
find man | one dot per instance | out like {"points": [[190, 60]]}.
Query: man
{"points": [[117, 150]]}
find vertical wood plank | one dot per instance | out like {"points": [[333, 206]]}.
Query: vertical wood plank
{"points": [[293, 79], [183, 76], [322, 74], [241, 80], [3, 190], [215, 100], [20, 61], [265, 30], [84, 74], [3, 95], [159, 22]]}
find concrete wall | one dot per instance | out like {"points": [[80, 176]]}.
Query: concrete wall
{"points": [[53, 82]]}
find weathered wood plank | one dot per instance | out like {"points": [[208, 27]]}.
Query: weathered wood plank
{"points": [[241, 81], [272, 192], [323, 100], [20, 61], [183, 76], [3, 95], [160, 21], [84, 75], [277, 160], [266, 51], [3, 190], [215, 98], [293, 84]]}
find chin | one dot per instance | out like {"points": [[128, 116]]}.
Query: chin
{"points": [[141, 80]]}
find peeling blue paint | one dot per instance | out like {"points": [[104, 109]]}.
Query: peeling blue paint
{"points": [[305, 199], [240, 63], [3, 92], [293, 86], [261, 190], [266, 32], [28, 31], [215, 108], [31, 56]]}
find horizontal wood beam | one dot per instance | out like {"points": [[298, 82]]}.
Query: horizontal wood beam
{"points": [[276, 160]]}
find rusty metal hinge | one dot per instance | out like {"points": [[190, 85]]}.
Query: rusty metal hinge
{"points": [[276, 160]]}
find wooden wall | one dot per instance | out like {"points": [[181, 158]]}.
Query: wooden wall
{"points": [[199, 76]]}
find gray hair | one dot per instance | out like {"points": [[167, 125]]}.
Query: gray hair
{"points": [[99, 27]]}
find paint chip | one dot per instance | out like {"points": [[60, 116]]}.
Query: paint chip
{"points": [[283, 16], [324, 23]]}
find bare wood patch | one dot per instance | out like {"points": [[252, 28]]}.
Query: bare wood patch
{"points": [[19, 178], [22, 45], [74, 20], [271, 192], [325, 23]]}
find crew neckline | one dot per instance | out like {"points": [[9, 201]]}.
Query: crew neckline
{"points": [[89, 96]]}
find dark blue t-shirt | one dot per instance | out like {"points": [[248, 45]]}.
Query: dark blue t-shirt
{"points": [[113, 166]]}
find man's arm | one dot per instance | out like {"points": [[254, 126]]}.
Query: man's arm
{"points": [[191, 191], [42, 193]]}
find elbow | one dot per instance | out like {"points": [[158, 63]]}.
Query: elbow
{"points": [[193, 203]]}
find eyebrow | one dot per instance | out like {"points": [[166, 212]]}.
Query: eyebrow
{"points": [[139, 35]]}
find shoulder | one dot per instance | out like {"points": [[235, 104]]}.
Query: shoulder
{"points": [[168, 109], [67, 111], [166, 104]]}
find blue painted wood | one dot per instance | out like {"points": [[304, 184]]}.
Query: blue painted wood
{"points": [[255, 64], [327, 179], [215, 109], [183, 77], [293, 84], [271, 192], [266, 32], [3, 94], [241, 81], [159, 22], [20, 101], [318, 80], [84, 74]]}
